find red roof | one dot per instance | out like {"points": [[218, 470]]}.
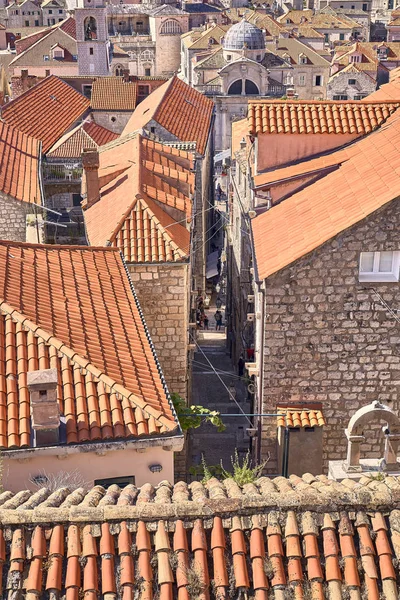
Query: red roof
{"points": [[365, 180], [19, 165], [180, 109], [46, 111], [129, 215], [84, 136], [299, 537], [314, 116], [73, 309]]}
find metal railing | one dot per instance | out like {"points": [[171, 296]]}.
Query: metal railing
{"points": [[61, 173]]}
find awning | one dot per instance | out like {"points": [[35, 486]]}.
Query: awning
{"points": [[220, 156], [212, 261], [292, 416]]}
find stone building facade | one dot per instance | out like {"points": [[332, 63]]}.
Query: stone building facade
{"points": [[14, 218], [163, 291], [332, 339]]}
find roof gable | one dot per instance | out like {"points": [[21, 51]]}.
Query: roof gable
{"points": [[132, 211], [180, 109]]}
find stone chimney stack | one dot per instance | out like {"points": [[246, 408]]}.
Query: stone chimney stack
{"points": [[91, 163], [45, 413]]}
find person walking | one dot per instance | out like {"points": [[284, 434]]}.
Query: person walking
{"points": [[241, 364], [218, 320], [218, 302], [205, 321]]}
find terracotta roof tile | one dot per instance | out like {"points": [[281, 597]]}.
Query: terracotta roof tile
{"points": [[317, 117], [113, 93], [180, 109], [211, 547], [130, 213], [291, 416], [84, 136], [19, 165], [46, 111], [365, 182], [100, 387]]}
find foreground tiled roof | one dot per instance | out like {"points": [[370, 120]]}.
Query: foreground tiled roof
{"points": [[85, 136], [388, 92], [73, 309], [360, 185], [180, 109], [46, 111], [289, 416], [132, 213], [317, 117], [305, 537], [19, 165]]}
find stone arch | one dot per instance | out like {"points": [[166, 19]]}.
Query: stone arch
{"points": [[373, 413], [90, 28], [171, 27], [119, 70]]}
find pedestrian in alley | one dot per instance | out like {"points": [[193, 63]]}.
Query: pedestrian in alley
{"points": [[241, 364], [218, 320], [205, 321], [218, 303], [219, 192]]}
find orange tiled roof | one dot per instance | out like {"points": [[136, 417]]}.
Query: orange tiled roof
{"points": [[84, 136], [19, 165], [132, 213], [355, 117], [361, 185], [180, 109], [291, 416], [389, 92], [113, 93], [46, 111], [299, 536], [73, 309]]}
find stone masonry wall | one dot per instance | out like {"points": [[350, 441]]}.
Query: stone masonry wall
{"points": [[162, 291], [13, 219], [329, 339]]}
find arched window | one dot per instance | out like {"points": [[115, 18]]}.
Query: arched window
{"points": [[146, 55], [235, 89], [90, 28], [171, 27], [119, 71], [251, 88]]}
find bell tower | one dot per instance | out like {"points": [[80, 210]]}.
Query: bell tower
{"points": [[94, 54]]}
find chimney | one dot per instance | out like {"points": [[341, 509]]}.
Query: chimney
{"points": [[45, 413], [90, 163]]}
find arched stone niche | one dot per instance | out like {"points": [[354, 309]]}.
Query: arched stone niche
{"points": [[373, 414]]}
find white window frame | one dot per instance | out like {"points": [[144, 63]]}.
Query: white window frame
{"points": [[383, 276]]}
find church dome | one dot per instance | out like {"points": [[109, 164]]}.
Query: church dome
{"points": [[244, 35]]}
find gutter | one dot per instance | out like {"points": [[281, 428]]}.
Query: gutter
{"points": [[100, 448]]}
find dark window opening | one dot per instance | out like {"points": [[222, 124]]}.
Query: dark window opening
{"points": [[91, 51], [147, 72], [120, 481], [76, 199]]}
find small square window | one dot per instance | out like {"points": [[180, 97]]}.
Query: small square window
{"points": [[352, 82], [379, 266]]}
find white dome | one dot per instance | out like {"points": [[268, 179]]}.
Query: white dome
{"points": [[244, 35]]}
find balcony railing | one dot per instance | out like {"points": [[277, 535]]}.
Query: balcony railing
{"points": [[57, 173]]}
